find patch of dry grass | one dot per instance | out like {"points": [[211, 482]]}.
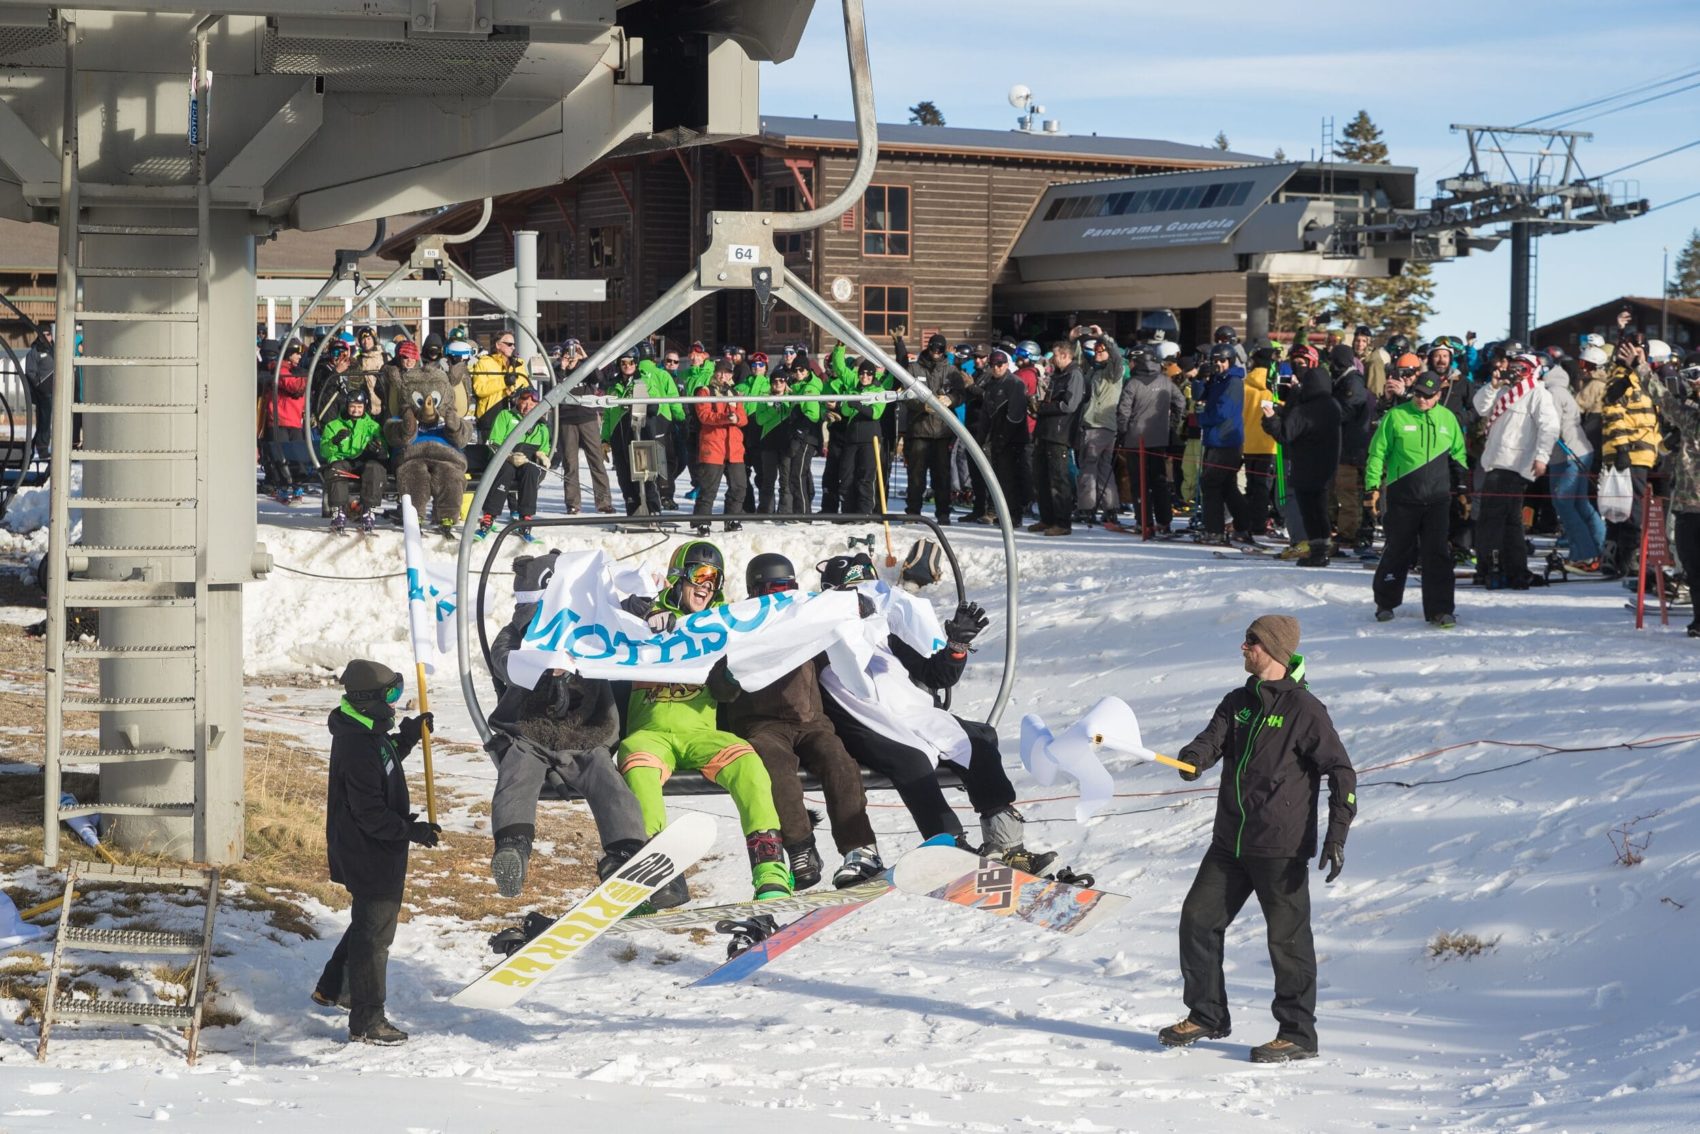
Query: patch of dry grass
{"points": [[1449, 946]]}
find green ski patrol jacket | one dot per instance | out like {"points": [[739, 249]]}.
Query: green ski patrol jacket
{"points": [[536, 444], [1420, 453], [1276, 744], [661, 385], [349, 438], [860, 415]]}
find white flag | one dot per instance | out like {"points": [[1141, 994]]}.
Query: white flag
{"points": [[1077, 752], [430, 595]]}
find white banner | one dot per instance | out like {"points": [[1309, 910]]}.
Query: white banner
{"points": [[430, 595], [579, 627]]}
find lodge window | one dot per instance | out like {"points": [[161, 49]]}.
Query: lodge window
{"points": [[786, 325], [885, 221], [785, 200], [601, 320], [884, 309], [603, 247]]}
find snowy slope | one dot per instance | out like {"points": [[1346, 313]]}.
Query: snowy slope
{"points": [[912, 1015]]}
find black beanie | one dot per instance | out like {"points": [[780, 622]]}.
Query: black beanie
{"points": [[366, 680], [1341, 359]]}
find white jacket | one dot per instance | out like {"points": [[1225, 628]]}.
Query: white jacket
{"points": [[1523, 434]]}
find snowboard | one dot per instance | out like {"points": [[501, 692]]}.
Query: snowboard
{"points": [[704, 917], [758, 955], [956, 876], [669, 853]]}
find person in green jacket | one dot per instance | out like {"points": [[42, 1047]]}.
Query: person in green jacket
{"points": [[664, 420], [802, 424], [1418, 450], [523, 471], [621, 425], [853, 434], [353, 451]]}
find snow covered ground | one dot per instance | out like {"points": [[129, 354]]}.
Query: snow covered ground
{"points": [[1583, 1016]]}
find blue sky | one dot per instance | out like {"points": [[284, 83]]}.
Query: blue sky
{"points": [[1268, 73]]}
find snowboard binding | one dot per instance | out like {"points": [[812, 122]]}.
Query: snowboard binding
{"points": [[746, 932], [1069, 877], [515, 937]]}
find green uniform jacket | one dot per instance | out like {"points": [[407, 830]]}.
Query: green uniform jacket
{"points": [[348, 438], [661, 385], [1421, 454], [537, 437], [847, 381], [697, 377]]}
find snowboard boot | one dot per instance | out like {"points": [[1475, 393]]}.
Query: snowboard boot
{"points": [[484, 525], [525, 532], [768, 872], [675, 893], [446, 527], [862, 864], [1188, 1032], [507, 865], [805, 864], [383, 1033], [1280, 1051], [511, 940], [1003, 830], [616, 855]]}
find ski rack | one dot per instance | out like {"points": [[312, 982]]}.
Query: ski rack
{"points": [[741, 255]]}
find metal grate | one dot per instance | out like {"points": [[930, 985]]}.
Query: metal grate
{"points": [[422, 66], [41, 45]]}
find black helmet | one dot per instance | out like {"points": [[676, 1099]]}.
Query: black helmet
{"points": [[843, 571], [937, 342], [1225, 334], [769, 572], [356, 396], [1222, 352], [1398, 345], [644, 350], [631, 354], [371, 686]]}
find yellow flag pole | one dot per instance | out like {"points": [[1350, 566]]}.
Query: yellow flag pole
{"points": [[425, 745], [879, 483], [37, 911], [1157, 756]]}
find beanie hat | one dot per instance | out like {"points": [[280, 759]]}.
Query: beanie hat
{"points": [[1278, 634], [367, 680], [408, 350], [1341, 359]]}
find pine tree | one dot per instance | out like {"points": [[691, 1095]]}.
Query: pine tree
{"points": [[1686, 282], [1361, 141], [1221, 140], [925, 113], [1279, 154]]}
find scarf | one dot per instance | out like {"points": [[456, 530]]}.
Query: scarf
{"points": [[1510, 396]]}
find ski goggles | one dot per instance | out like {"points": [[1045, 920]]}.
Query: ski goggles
{"points": [[392, 691], [700, 574], [773, 586]]}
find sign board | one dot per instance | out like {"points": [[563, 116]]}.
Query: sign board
{"points": [[1655, 557]]}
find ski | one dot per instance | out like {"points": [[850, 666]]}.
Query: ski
{"points": [[704, 917], [956, 876], [668, 854]]}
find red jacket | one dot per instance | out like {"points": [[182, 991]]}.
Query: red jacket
{"points": [[721, 441], [288, 400]]}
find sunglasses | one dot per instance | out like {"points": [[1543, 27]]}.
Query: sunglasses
{"points": [[670, 362], [702, 574], [758, 364], [506, 343]]}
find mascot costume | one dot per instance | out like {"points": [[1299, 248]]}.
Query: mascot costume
{"points": [[428, 436]]}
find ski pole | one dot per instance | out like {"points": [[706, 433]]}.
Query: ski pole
{"points": [[879, 483]]}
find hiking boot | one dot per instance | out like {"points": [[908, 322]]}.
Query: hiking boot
{"points": [[1314, 560], [1442, 622], [1280, 1051], [1058, 529], [1188, 1032], [675, 893], [1382, 614], [860, 865], [805, 865], [383, 1033], [507, 865], [1298, 550], [1038, 527]]}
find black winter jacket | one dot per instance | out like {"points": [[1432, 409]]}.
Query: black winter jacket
{"points": [[366, 807], [1060, 413], [1309, 431], [1278, 744], [943, 379], [1357, 417]]}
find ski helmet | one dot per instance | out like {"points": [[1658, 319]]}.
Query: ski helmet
{"points": [[1225, 334], [691, 555], [1027, 349], [1223, 352], [769, 572], [355, 397], [1398, 345], [842, 571], [458, 350]]}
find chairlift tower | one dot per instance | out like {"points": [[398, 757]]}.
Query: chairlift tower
{"points": [[326, 112]]}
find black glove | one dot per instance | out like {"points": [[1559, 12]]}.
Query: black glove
{"points": [[1188, 758], [662, 621], [966, 626], [423, 833], [1333, 860], [1620, 460], [412, 728]]}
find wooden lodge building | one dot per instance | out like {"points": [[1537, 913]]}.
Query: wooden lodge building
{"points": [[928, 247]]}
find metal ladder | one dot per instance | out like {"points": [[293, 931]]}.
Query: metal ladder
{"points": [[134, 942], [141, 566]]}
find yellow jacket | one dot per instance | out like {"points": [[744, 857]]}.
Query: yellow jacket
{"points": [[1258, 443], [490, 376], [1627, 421]]}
